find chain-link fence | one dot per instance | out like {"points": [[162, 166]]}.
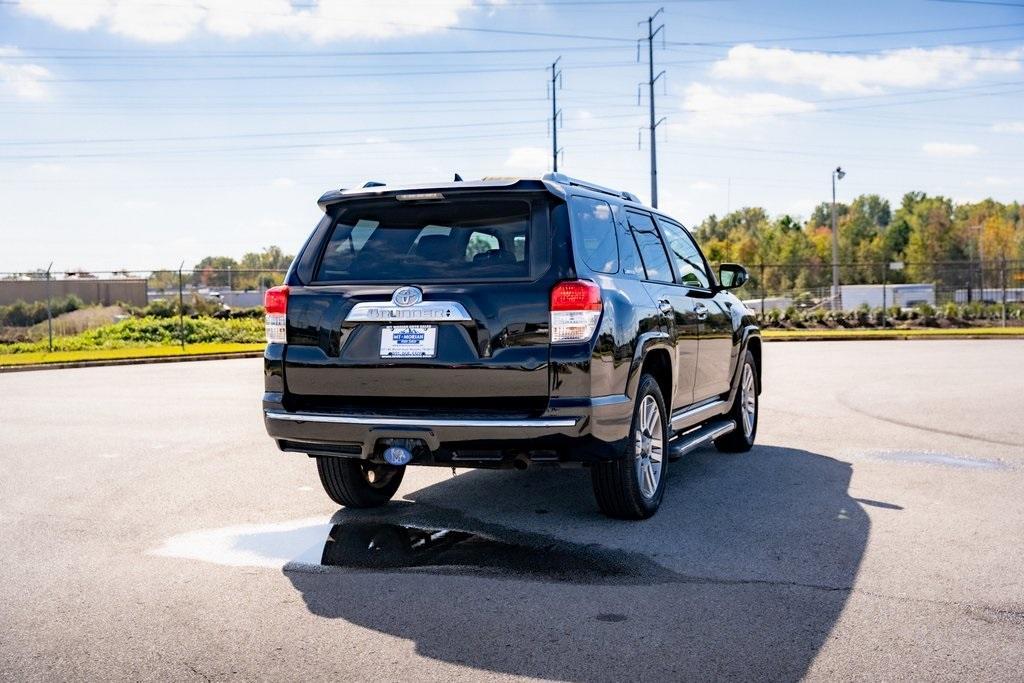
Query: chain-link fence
{"points": [[879, 294], [966, 290], [28, 299]]}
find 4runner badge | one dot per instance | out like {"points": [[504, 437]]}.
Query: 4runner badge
{"points": [[407, 296]]}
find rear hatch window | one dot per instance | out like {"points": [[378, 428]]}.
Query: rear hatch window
{"points": [[386, 240]]}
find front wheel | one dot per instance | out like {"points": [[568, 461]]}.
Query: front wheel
{"points": [[357, 483], [744, 411], [632, 486]]}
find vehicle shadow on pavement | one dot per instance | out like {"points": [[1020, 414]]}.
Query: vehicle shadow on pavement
{"points": [[741, 574]]}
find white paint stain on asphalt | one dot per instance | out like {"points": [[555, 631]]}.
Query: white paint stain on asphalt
{"points": [[252, 545], [935, 458]]}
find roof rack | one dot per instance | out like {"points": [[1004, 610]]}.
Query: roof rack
{"points": [[563, 179]]}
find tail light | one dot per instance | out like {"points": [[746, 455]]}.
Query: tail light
{"points": [[275, 304], [575, 310]]}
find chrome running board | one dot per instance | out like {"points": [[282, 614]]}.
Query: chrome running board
{"points": [[684, 443], [682, 419]]}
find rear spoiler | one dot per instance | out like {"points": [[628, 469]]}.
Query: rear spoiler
{"points": [[457, 187]]}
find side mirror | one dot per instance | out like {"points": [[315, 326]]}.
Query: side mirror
{"points": [[731, 275]]}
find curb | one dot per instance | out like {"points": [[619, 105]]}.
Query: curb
{"points": [[894, 337], [129, 361], [259, 354]]}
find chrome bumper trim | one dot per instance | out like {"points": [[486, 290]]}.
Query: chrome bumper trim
{"points": [[384, 421]]}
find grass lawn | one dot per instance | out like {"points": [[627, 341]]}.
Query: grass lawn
{"points": [[916, 333], [126, 353]]}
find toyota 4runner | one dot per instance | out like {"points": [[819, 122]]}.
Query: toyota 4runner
{"points": [[506, 322]]}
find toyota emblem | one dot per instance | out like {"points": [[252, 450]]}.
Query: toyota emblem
{"points": [[407, 296]]}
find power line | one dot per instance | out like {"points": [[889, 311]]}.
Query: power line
{"points": [[112, 53], [983, 2]]}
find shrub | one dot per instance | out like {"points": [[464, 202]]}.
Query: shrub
{"points": [[151, 331], [22, 314]]}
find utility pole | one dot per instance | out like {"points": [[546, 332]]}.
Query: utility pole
{"points": [[837, 174], [652, 79], [556, 83]]}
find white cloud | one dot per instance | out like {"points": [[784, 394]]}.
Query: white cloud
{"points": [[703, 186], [1008, 127], [1001, 181], [802, 207], [139, 205], [949, 150], [710, 108], [283, 182], [24, 80], [865, 74], [48, 170], [528, 160], [325, 21]]}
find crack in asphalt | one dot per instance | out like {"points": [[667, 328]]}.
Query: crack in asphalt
{"points": [[846, 403]]}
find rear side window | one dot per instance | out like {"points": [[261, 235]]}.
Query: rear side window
{"points": [[388, 241], [593, 234], [652, 250]]}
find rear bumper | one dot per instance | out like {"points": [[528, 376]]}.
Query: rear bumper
{"points": [[576, 430]]}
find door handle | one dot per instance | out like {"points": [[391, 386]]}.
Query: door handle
{"points": [[665, 306], [701, 310]]}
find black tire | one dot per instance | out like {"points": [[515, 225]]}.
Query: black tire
{"points": [[617, 483], [740, 440], [348, 481]]}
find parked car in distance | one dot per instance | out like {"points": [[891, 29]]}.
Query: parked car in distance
{"points": [[506, 322]]}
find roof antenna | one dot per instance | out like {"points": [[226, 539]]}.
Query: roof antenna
{"points": [[458, 178]]}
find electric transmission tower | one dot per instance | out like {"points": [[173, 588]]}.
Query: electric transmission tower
{"points": [[652, 31], [556, 84]]}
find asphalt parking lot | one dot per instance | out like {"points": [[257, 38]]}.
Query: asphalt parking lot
{"points": [[150, 530]]}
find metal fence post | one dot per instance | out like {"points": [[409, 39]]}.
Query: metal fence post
{"points": [[885, 281], [762, 291], [1002, 281], [49, 309], [181, 306]]}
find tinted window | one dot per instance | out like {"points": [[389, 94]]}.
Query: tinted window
{"points": [[689, 262], [593, 234], [651, 249], [391, 241], [630, 256]]}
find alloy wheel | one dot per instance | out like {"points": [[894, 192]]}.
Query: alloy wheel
{"points": [[649, 447]]}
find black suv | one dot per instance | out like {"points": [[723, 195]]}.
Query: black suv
{"points": [[506, 322]]}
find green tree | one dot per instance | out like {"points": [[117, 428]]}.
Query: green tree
{"points": [[933, 238], [211, 271]]}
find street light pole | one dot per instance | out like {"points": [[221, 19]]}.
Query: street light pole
{"points": [[837, 174]]}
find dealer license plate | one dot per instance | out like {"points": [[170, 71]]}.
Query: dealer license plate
{"points": [[408, 341]]}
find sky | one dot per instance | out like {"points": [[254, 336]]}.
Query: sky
{"points": [[140, 134]]}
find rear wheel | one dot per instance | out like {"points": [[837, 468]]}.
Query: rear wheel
{"points": [[632, 486], [744, 411], [357, 483]]}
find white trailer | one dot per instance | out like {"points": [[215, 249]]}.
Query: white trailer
{"points": [[903, 295]]}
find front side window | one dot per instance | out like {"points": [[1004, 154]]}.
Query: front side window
{"points": [[652, 250], [593, 234], [385, 240], [689, 262]]}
